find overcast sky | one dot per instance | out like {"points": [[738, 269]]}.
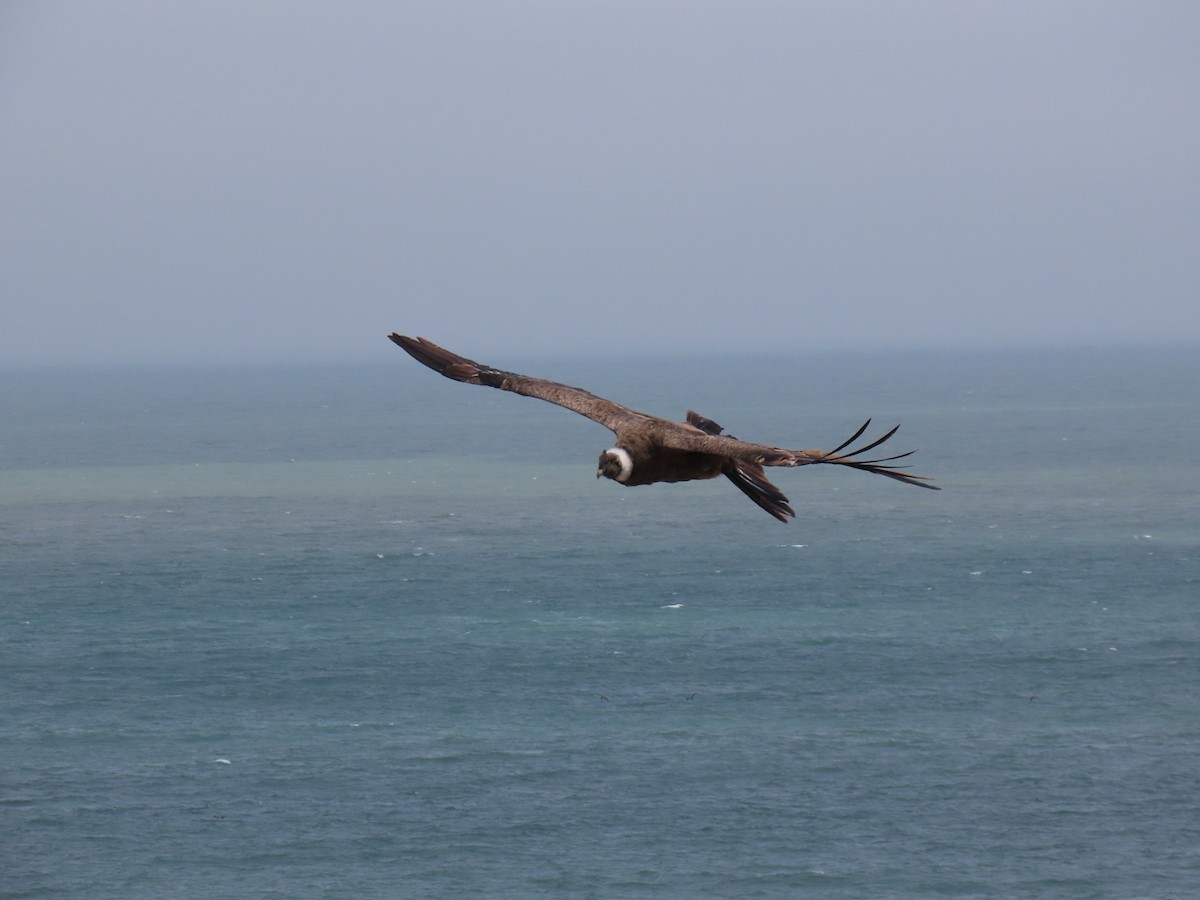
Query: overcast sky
{"points": [[243, 180]]}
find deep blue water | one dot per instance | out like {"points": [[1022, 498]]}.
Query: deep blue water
{"points": [[367, 632]]}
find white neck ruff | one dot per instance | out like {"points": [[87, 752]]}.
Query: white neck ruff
{"points": [[626, 461]]}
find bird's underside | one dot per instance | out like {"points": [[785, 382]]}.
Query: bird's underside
{"points": [[650, 449]]}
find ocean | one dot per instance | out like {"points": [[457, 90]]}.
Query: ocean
{"points": [[365, 632]]}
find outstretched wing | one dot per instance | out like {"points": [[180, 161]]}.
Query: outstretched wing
{"points": [[610, 415], [682, 438]]}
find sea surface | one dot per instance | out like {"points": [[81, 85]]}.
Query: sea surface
{"points": [[365, 632]]}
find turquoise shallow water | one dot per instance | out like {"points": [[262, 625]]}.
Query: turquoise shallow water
{"points": [[368, 632]]}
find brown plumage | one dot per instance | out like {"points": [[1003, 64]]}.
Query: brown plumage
{"points": [[649, 449]]}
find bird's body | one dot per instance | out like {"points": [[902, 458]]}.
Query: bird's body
{"points": [[650, 462], [649, 449]]}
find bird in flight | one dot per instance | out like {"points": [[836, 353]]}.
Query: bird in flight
{"points": [[649, 449]]}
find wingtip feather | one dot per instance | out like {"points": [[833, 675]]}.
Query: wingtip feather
{"points": [[875, 465]]}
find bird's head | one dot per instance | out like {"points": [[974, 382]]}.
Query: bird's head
{"points": [[615, 463]]}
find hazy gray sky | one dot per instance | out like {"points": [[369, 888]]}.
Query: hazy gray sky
{"points": [[284, 181]]}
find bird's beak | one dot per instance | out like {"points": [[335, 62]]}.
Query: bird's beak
{"points": [[598, 473]]}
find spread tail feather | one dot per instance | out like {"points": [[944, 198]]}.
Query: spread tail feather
{"points": [[750, 480], [749, 477]]}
